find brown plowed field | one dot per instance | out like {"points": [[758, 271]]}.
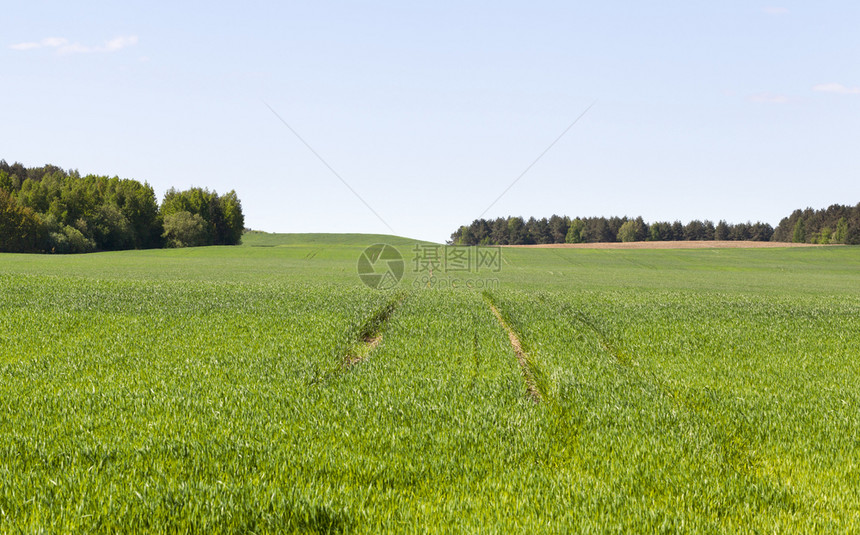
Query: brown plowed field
{"points": [[671, 245]]}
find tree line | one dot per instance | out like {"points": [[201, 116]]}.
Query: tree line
{"points": [[50, 210], [836, 224]]}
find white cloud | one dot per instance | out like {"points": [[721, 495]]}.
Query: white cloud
{"points": [[54, 41], [62, 45], [770, 98], [25, 46], [120, 43], [776, 11], [49, 42], [837, 88]]}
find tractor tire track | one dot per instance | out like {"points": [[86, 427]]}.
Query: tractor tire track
{"points": [[526, 366], [370, 334]]}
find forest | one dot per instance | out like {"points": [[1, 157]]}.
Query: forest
{"points": [[835, 224], [50, 210]]}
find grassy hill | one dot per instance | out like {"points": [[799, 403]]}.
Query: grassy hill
{"points": [[256, 238]]}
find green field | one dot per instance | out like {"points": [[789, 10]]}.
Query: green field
{"points": [[264, 388]]}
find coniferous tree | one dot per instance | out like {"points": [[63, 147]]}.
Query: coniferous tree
{"points": [[517, 234], [836, 224], [558, 227], [721, 231]]}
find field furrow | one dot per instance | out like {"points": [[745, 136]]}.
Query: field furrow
{"points": [[526, 366], [370, 333]]}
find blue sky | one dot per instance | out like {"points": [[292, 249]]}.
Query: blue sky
{"points": [[730, 110]]}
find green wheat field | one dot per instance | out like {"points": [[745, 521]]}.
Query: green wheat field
{"points": [[264, 388]]}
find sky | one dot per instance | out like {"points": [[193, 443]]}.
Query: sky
{"points": [[414, 118]]}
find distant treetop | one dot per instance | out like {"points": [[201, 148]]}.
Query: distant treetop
{"points": [[836, 224]]}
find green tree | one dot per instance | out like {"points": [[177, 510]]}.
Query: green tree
{"points": [[138, 204], [575, 233], [799, 234], [599, 230], [110, 229], [463, 236], [234, 219], [222, 215], [538, 231], [34, 196], [613, 225], [5, 182], [721, 231], [761, 232], [695, 230], [660, 231], [558, 227], [841, 231], [21, 230], [641, 229], [184, 229], [111, 213], [708, 233], [194, 201], [480, 230], [517, 234], [632, 230], [499, 231], [69, 241], [740, 232]]}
